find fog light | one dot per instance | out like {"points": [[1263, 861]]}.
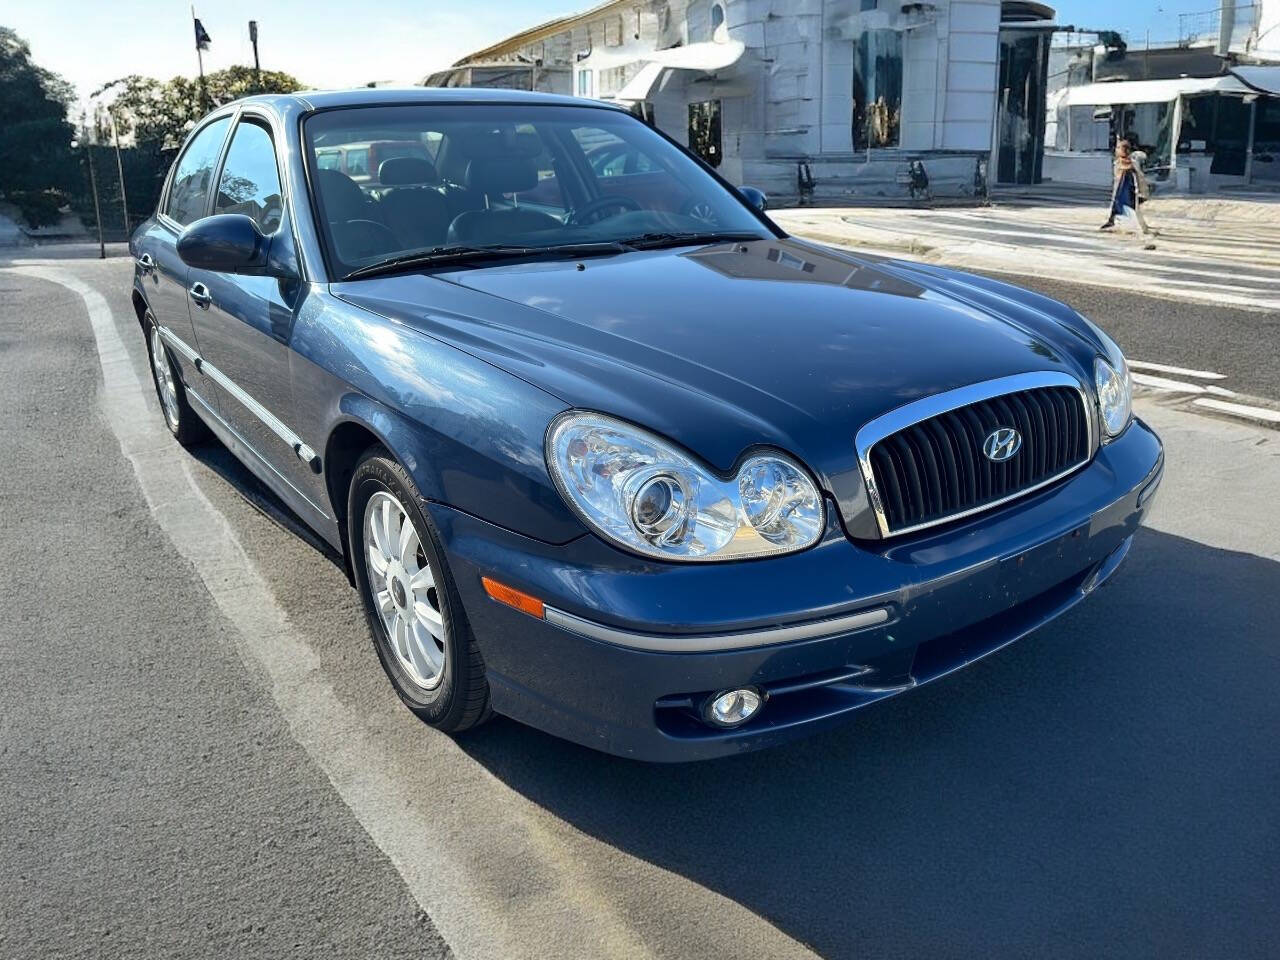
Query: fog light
{"points": [[733, 708]]}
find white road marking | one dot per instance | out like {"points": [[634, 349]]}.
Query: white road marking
{"points": [[1176, 371], [1162, 383], [1239, 409], [444, 867]]}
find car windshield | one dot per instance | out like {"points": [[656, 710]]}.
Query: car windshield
{"points": [[519, 178]]}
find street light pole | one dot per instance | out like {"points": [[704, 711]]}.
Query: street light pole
{"points": [[124, 200], [115, 136], [93, 186]]}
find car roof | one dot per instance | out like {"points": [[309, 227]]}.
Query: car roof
{"points": [[384, 96]]}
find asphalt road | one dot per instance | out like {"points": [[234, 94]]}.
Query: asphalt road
{"points": [[1241, 344], [200, 757]]}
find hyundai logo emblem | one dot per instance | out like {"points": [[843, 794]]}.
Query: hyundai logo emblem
{"points": [[1001, 444]]}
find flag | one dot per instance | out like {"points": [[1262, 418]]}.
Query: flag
{"points": [[202, 36]]}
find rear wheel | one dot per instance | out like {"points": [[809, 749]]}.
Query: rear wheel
{"points": [[411, 602], [182, 421]]}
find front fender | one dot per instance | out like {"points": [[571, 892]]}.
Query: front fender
{"points": [[470, 434]]}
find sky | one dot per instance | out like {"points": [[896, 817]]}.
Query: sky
{"points": [[338, 43]]}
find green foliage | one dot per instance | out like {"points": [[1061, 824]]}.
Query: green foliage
{"points": [[36, 160], [165, 110]]}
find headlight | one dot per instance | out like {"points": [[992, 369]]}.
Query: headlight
{"points": [[1115, 399], [643, 493]]}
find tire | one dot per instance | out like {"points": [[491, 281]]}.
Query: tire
{"points": [[183, 422], [453, 694]]}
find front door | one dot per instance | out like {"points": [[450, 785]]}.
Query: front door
{"points": [[244, 323], [165, 275]]}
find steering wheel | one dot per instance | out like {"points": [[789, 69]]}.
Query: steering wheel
{"points": [[699, 210], [590, 212], [358, 239]]}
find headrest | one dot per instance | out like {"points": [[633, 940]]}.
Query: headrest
{"points": [[399, 170], [343, 198], [496, 175]]}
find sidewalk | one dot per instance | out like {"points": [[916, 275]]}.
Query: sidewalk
{"points": [[1212, 250]]}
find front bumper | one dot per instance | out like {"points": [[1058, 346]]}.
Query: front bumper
{"points": [[636, 645]]}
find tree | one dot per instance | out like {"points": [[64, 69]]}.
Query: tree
{"points": [[165, 111], [37, 164]]}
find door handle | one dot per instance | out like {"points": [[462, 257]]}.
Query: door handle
{"points": [[146, 264], [201, 295]]}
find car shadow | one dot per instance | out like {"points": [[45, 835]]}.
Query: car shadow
{"points": [[214, 455], [1105, 787]]}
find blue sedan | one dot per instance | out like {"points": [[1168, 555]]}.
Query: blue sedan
{"points": [[614, 455]]}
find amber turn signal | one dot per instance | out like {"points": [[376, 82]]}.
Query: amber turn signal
{"points": [[513, 597]]}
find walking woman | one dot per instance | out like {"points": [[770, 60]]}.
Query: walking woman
{"points": [[1129, 192]]}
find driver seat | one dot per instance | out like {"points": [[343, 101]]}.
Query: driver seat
{"points": [[493, 177]]}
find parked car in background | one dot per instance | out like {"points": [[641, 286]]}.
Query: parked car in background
{"points": [[362, 161], [634, 467]]}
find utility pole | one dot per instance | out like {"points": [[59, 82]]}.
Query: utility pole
{"points": [[257, 67]]}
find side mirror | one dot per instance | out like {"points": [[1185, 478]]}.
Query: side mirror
{"points": [[226, 243], [755, 197]]}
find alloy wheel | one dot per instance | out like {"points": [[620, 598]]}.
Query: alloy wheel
{"points": [[404, 591], [166, 379]]}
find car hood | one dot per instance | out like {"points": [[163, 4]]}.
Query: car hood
{"points": [[725, 347]]}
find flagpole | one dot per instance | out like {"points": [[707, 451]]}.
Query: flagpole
{"points": [[204, 90]]}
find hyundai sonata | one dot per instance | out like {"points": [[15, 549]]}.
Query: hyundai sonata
{"points": [[603, 448]]}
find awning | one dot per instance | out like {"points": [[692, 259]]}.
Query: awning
{"points": [[700, 57], [1149, 91], [1259, 79]]}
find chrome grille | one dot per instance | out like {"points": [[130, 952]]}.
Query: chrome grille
{"points": [[928, 469]]}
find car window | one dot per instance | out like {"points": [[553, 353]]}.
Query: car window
{"points": [[547, 195], [329, 160], [608, 162], [250, 181], [358, 162], [611, 156], [191, 180], [510, 175]]}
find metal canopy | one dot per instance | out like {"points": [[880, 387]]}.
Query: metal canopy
{"points": [[1149, 91]]}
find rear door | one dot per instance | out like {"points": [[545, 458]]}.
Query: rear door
{"points": [[244, 323], [165, 275]]}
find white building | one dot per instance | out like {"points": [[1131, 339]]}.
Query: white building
{"points": [[842, 94], [1205, 109]]}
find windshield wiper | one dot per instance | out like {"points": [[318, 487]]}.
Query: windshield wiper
{"points": [[455, 253], [651, 241]]}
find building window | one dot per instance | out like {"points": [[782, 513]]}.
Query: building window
{"points": [[613, 79], [585, 86], [868, 5], [877, 89], [613, 32], [704, 131]]}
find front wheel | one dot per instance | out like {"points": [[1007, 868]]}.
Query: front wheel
{"points": [[415, 614]]}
